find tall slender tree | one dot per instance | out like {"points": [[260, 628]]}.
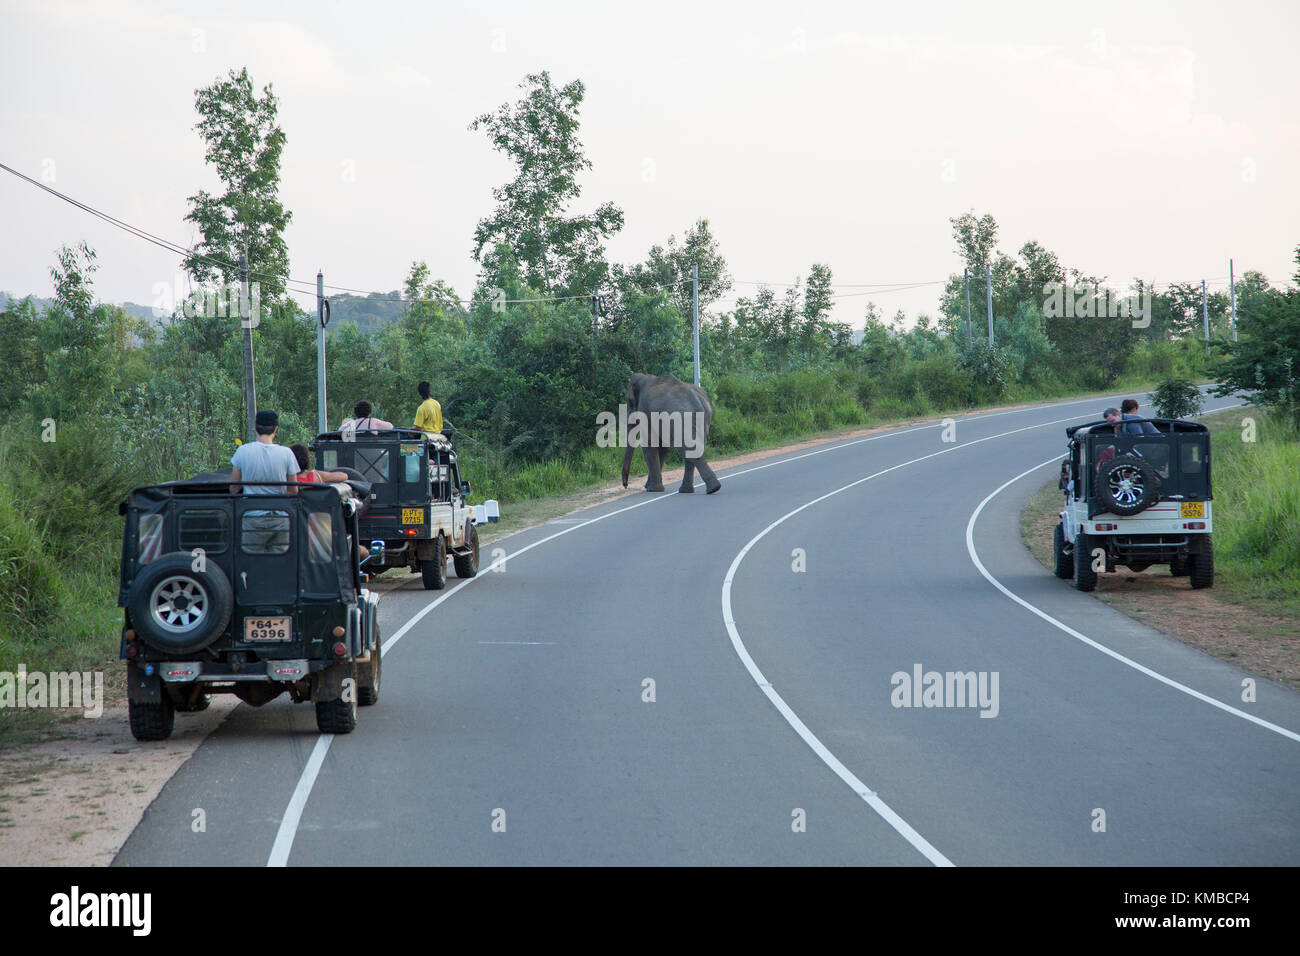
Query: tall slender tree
{"points": [[557, 253], [244, 145]]}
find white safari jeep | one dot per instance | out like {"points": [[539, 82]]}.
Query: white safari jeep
{"points": [[1136, 500]]}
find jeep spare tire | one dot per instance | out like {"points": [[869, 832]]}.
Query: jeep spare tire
{"points": [[177, 609], [1127, 485]]}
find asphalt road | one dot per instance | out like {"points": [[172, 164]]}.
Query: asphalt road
{"points": [[515, 725]]}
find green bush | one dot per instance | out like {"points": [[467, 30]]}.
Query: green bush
{"points": [[30, 583], [1177, 398]]}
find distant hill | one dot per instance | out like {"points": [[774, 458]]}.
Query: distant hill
{"points": [[41, 304], [369, 313]]}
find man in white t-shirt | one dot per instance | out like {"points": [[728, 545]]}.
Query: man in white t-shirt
{"points": [[264, 531]]}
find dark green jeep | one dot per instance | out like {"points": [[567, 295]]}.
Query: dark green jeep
{"points": [[251, 595], [419, 505]]}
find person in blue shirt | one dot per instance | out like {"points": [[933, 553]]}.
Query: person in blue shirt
{"points": [[1128, 413]]}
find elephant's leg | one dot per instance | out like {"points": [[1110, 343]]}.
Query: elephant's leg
{"points": [[688, 478], [653, 463], [711, 482]]}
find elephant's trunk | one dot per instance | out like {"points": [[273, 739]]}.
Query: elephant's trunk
{"points": [[627, 463]]}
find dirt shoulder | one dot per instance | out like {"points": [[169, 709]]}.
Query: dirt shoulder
{"points": [[72, 795], [1209, 620]]}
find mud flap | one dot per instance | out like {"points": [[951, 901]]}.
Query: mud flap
{"points": [[142, 688], [327, 684]]}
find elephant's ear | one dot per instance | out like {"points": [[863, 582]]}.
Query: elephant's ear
{"points": [[633, 392]]}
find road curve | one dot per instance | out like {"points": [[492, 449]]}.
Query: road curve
{"points": [[768, 622]]}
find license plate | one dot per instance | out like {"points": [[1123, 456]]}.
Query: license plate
{"points": [[412, 516], [268, 629], [1193, 509]]}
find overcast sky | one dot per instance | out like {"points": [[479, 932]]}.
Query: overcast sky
{"points": [[1134, 138]]}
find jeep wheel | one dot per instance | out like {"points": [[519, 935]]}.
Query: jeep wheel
{"points": [[336, 716], [152, 721], [466, 565], [1200, 566], [177, 609], [1064, 563], [1179, 568], [1085, 578], [1127, 485], [434, 570], [368, 677]]}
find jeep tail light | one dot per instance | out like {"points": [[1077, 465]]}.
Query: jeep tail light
{"points": [[340, 649], [1194, 525], [1108, 527], [338, 631], [132, 650]]}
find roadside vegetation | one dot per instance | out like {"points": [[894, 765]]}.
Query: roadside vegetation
{"points": [[100, 400]]}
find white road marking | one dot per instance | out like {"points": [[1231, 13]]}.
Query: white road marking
{"points": [[887, 813], [297, 802], [1154, 675], [520, 643], [288, 828]]}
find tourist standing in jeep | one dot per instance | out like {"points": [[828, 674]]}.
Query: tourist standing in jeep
{"points": [[361, 420], [264, 461], [428, 417]]}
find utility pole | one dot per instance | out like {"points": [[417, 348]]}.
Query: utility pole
{"points": [[988, 285], [247, 320], [1205, 317], [1232, 296], [595, 312], [695, 311], [321, 306], [966, 279]]}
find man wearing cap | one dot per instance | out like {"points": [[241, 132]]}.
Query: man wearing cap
{"points": [[264, 532]]}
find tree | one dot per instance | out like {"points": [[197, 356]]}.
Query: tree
{"points": [[244, 144], [24, 361], [670, 269], [73, 338], [976, 239], [1266, 359], [432, 304], [818, 296], [558, 254], [1177, 398]]}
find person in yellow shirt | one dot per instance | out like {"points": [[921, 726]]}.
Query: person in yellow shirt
{"points": [[428, 417]]}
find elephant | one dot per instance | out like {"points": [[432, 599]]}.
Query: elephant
{"points": [[677, 415]]}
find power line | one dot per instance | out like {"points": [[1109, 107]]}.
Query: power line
{"points": [[309, 285]]}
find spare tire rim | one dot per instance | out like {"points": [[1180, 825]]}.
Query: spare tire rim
{"points": [[1126, 486], [178, 604]]}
